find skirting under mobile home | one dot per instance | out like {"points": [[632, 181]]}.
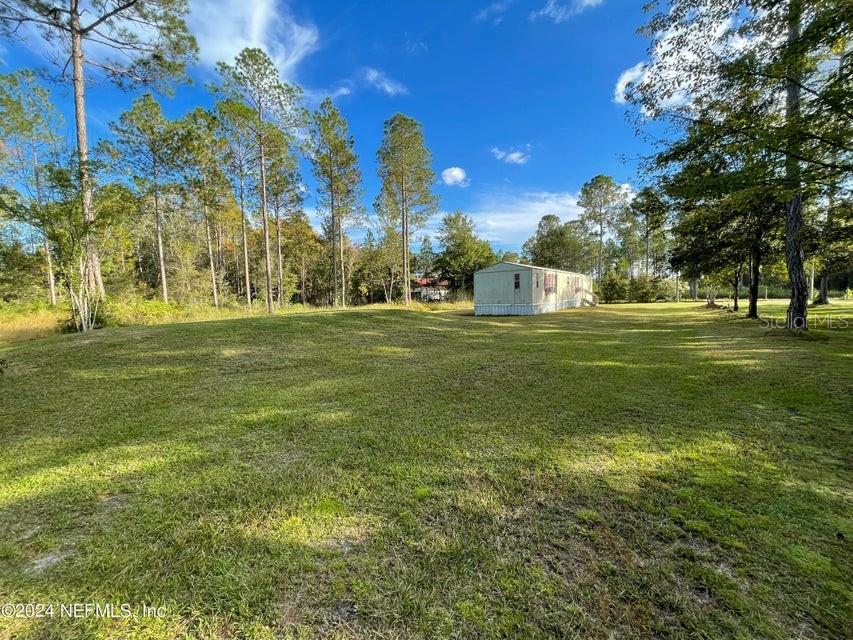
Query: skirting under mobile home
{"points": [[512, 289]]}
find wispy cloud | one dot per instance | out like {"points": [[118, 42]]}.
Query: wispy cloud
{"points": [[557, 12], [494, 11], [379, 80], [225, 27], [361, 78], [512, 156], [415, 47], [455, 177]]}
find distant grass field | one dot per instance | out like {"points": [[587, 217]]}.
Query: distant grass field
{"points": [[625, 471]]}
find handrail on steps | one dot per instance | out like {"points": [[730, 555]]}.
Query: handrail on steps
{"points": [[589, 293]]}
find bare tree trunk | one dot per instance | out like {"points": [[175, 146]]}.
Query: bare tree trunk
{"points": [[797, 315], [811, 280], [341, 260], [407, 296], [823, 290], [302, 278], [236, 257], [93, 263], [209, 247], [246, 274], [278, 254], [735, 286], [754, 277], [161, 260], [600, 251], [265, 223], [51, 281], [220, 244], [334, 248]]}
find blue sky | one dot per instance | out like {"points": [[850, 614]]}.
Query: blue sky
{"points": [[518, 94]]}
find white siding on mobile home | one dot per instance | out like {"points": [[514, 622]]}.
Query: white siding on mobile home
{"points": [[512, 289]]}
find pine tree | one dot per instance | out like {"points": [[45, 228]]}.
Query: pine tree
{"points": [[407, 178], [602, 200], [28, 123], [332, 154], [254, 81], [149, 54], [145, 146]]}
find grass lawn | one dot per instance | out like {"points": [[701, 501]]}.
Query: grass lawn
{"points": [[625, 471]]}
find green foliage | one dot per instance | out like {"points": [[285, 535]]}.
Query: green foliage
{"points": [[254, 81], [602, 201], [21, 275], [613, 286], [462, 252], [559, 245], [331, 150], [643, 288], [147, 40], [405, 169]]}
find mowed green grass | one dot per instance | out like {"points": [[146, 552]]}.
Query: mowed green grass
{"points": [[625, 471]]}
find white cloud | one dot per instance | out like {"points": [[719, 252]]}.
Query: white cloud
{"points": [[558, 13], [377, 79], [455, 177], [340, 91], [630, 75], [683, 59], [223, 28], [513, 156], [511, 217], [494, 11]]}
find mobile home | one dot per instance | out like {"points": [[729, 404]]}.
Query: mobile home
{"points": [[513, 289]]}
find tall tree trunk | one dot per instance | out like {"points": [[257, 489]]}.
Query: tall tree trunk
{"points": [[334, 248], [677, 290], [754, 277], [93, 278], [823, 290], [811, 280], [161, 260], [407, 296], [797, 315], [278, 253], [735, 287], [265, 224], [236, 278], [246, 274], [207, 233], [51, 280], [220, 244], [600, 251], [648, 236], [341, 260], [302, 278]]}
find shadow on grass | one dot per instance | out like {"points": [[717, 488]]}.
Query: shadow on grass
{"points": [[421, 474]]}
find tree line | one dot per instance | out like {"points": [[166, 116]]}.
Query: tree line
{"points": [[750, 181], [208, 206], [749, 186], [757, 103]]}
